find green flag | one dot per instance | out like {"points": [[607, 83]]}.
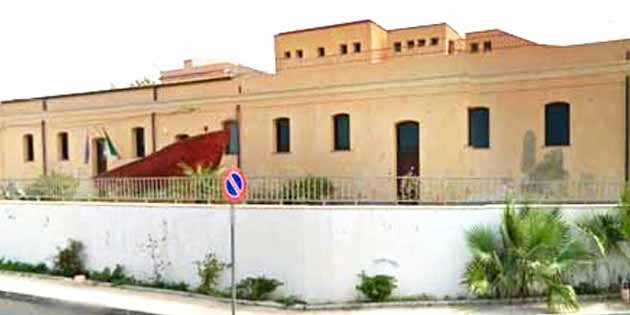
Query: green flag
{"points": [[110, 150]]}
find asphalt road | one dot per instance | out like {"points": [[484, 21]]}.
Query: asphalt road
{"points": [[10, 306]]}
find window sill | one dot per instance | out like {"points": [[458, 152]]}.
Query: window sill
{"points": [[557, 145], [281, 153], [341, 151], [478, 148]]}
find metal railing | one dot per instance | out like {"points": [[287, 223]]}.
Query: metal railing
{"points": [[318, 190]]}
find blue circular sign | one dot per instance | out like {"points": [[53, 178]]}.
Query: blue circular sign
{"points": [[233, 185]]}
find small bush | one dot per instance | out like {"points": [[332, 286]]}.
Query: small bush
{"points": [[69, 262], [53, 186], [209, 270], [257, 288], [376, 288], [17, 266], [116, 277]]}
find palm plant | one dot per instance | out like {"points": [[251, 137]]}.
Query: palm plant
{"points": [[609, 234], [530, 252]]}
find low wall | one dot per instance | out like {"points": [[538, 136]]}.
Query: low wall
{"points": [[316, 251]]}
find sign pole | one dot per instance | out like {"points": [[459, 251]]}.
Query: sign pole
{"points": [[234, 187], [233, 262]]}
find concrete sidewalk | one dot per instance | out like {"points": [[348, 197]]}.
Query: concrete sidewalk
{"points": [[163, 303]]}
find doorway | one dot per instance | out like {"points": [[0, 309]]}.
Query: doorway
{"points": [[99, 155], [407, 158]]}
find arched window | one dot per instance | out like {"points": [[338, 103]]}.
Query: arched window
{"points": [[341, 124], [232, 127], [63, 146], [283, 135], [557, 124], [479, 127], [138, 141]]}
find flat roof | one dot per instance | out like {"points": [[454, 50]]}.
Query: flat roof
{"points": [[330, 26], [17, 100]]}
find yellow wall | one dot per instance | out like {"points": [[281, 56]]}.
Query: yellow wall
{"points": [[435, 90]]}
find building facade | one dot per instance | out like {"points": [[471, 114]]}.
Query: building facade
{"points": [[356, 99]]}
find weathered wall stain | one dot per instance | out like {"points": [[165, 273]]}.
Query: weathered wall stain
{"points": [[550, 168]]}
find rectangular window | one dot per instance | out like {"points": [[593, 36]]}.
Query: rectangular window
{"points": [[283, 135], [321, 52], [557, 124], [299, 53], [487, 46], [287, 54], [411, 44], [29, 149], [138, 142], [435, 41], [397, 47], [342, 132], [422, 42], [357, 47], [62, 139], [474, 48], [479, 127], [232, 147], [343, 49]]}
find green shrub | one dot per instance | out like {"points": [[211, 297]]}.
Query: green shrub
{"points": [[17, 266], [376, 288], [290, 300], [308, 188], [209, 270], [117, 276], [53, 186], [69, 261], [257, 288]]}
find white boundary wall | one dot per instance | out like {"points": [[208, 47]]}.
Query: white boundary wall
{"points": [[316, 251]]}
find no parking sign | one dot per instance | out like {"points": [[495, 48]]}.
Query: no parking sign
{"points": [[233, 185]]}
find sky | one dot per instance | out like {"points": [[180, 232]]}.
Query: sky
{"points": [[63, 46]]}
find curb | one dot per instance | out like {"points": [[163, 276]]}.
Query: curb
{"points": [[273, 304]]}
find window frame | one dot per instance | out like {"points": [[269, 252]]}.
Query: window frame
{"points": [[487, 46], [411, 44], [343, 49], [435, 41], [63, 146], [471, 142], [277, 126], [337, 145], [299, 53], [422, 42], [397, 47], [287, 54], [321, 52], [356, 47], [474, 48], [227, 125], [137, 152], [547, 124], [28, 144]]}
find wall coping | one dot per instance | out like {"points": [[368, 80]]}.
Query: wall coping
{"points": [[284, 207]]}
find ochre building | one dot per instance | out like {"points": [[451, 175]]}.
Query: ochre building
{"points": [[356, 99]]}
